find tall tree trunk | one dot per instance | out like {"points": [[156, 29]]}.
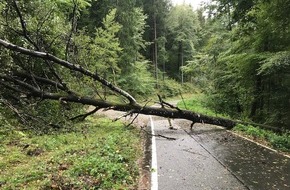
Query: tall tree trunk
{"points": [[257, 97], [164, 68], [155, 50], [182, 63]]}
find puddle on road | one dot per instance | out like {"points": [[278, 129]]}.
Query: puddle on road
{"points": [[258, 167]]}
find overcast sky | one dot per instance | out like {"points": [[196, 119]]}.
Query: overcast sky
{"points": [[194, 3]]}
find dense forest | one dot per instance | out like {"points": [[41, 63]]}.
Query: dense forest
{"points": [[235, 52]]}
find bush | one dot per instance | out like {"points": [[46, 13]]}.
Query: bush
{"points": [[280, 142], [139, 82], [169, 88]]}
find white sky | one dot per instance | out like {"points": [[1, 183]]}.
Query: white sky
{"points": [[194, 3]]}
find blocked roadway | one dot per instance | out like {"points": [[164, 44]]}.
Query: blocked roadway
{"points": [[209, 157]]}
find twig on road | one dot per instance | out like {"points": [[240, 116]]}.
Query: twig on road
{"points": [[158, 135]]}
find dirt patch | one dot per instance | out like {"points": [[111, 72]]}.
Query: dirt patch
{"points": [[34, 152]]}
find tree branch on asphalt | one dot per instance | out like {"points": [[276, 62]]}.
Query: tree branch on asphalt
{"points": [[131, 112], [162, 106], [158, 135]]}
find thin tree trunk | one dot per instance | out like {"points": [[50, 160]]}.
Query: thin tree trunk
{"points": [[155, 48], [182, 63]]}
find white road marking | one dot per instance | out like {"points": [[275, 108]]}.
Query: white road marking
{"points": [[259, 144], [154, 174]]}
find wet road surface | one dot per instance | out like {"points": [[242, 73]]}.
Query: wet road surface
{"points": [[209, 157]]}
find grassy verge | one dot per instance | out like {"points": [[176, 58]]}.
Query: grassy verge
{"points": [[278, 141], [197, 103], [97, 154]]}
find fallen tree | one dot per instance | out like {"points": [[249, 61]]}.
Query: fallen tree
{"points": [[16, 82], [24, 83]]}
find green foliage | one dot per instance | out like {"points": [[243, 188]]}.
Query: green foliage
{"points": [[139, 81], [183, 29], [281, 142], [197, 69], [169, 88], [276, 63], [246, 70], [198, 103], [106, 47], [110, 165], [97, 154], [131, 34], [278, 141], [157, 12], [234, 81], [183, 22], [103, 49], [47, 28], [254, 132]]}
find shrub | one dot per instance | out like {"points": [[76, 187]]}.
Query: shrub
{"points": [[169, 88]]}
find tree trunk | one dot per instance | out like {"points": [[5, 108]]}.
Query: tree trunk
{"points": [[182, 64], [256, 105], [155, 50]]}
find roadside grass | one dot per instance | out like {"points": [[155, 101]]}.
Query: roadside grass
{"points": [[278, 141], [97, 154], [197, 103], [281, 142]]}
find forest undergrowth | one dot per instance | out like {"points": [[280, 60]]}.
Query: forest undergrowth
{"points": [[96, 154]]}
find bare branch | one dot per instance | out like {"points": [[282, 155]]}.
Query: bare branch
{"points": [[10, 87], [14, 110], [124, 115], [162, 105], [84, 116], [73, 28], [133, 120], [68, 65], [134, 108], [26, 36], [41, 80], [23, 25], [158, 135], [137, 115], [182, 100], [162, 102]]}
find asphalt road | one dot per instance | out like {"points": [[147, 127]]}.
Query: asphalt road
{"points": [[210, 158]]}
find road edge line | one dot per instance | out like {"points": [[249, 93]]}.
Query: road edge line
{"points": [[257, 143], [154, 174]]}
